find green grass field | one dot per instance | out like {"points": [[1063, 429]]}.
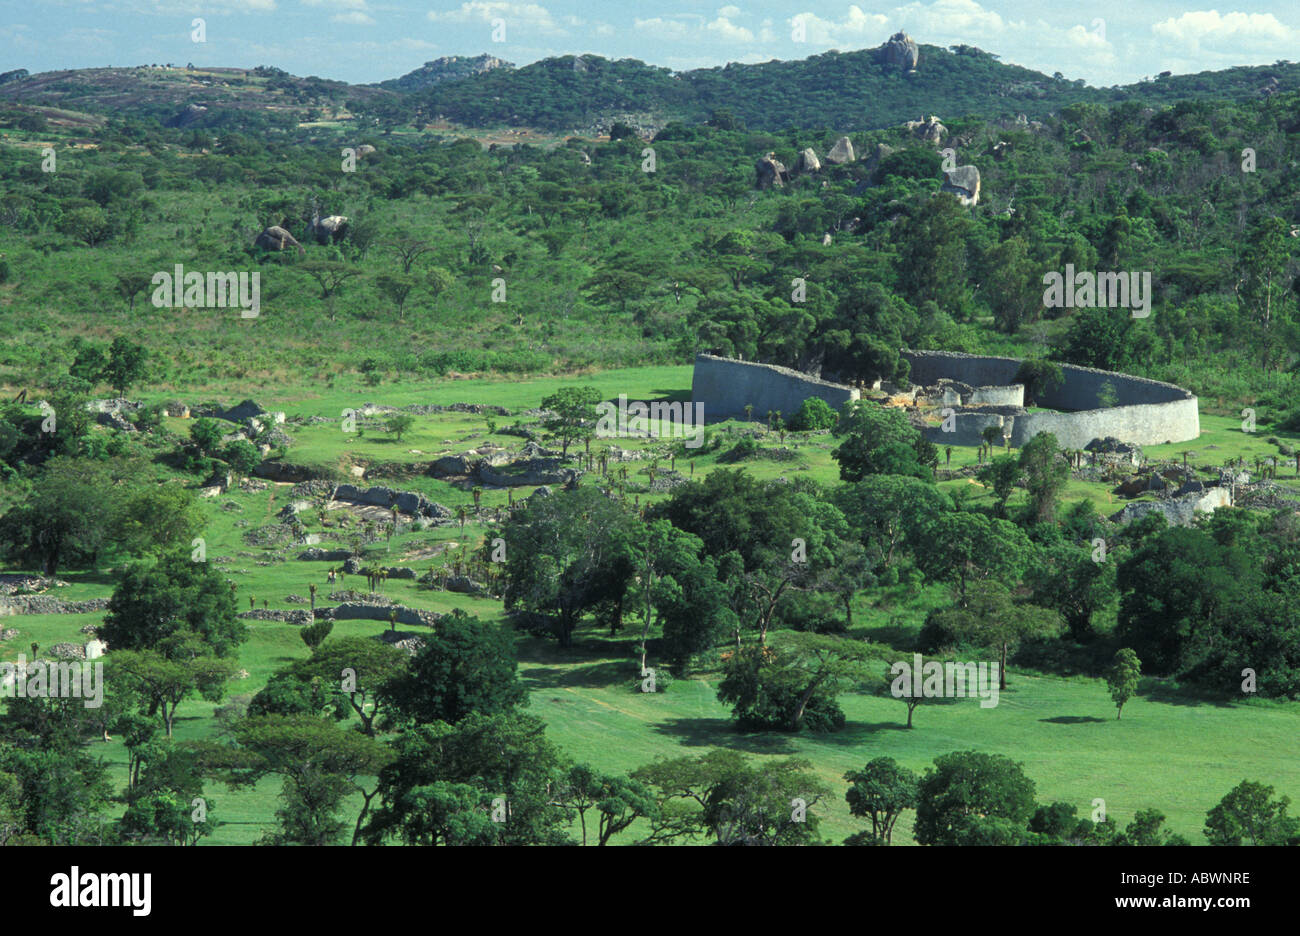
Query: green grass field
{"points": [[1171, 751]]}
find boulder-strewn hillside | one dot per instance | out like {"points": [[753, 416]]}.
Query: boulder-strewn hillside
{"points": [[168, 93], [446, 68], [849, 91], [860, 90]]}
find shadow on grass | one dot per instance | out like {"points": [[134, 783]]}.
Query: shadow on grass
{"points": [[1073, 720], [721, 732], [595, 676], [1169, 692], [670, 396]]}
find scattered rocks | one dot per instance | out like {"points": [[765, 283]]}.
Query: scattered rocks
{"points": [[15, 583], [315, 554], [47, 604], [365, 611], [298, 616]]}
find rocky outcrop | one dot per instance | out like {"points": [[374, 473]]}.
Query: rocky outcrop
{"points": [[446, 68], [526, 473], [190, 115], [769, 172], [900, 52], [932, 131], [1179, 510], [408, 502], [964, 182], [359, 611], [276, 238], [329, 230], [807, 161], [842, 152], [365, 149]]}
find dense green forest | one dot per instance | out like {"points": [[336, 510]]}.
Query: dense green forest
{"points": [[537, 259]]}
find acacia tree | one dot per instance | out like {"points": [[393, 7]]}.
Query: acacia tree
{"points": [[991, 617], [617, 801], [880, 791], [572, 416], [166, 683], [321, 764], [721, 795], [966, 547]]}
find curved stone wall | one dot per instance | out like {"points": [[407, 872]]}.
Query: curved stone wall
{"points": [[1146, 412], [726, 386]]}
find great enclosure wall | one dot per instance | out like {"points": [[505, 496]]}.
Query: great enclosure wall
{"points": [[1088, 404]]}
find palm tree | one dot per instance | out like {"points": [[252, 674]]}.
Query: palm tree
{"points": [[462, 514], [312, 588], [478, 496]]}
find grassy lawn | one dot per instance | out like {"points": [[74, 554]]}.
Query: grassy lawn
{"points": [[1170, 751]]}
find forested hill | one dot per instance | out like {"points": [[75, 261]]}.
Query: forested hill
{"points": [[846, 91], [842, 91]]}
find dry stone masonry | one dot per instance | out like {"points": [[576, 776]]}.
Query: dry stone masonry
{"points": [[727, 386], [981, 391], [1145, 412]]}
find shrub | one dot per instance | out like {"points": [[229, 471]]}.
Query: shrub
{"points": [[814, 414]]}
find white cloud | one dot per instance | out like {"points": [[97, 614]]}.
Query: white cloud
{"points": [[526, 15], [724, 29], [1211, 28], [341, 4], [965, 17], [659, 28], [355, 18], [855, 28]]}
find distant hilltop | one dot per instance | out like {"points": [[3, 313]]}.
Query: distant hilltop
{"points": [[447, 68]]}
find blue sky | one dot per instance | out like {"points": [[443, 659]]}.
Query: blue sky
{"points": [[1102, 42]]}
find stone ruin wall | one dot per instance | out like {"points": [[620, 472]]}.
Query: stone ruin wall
{"points": [[1147, 412], [726, 386]]}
